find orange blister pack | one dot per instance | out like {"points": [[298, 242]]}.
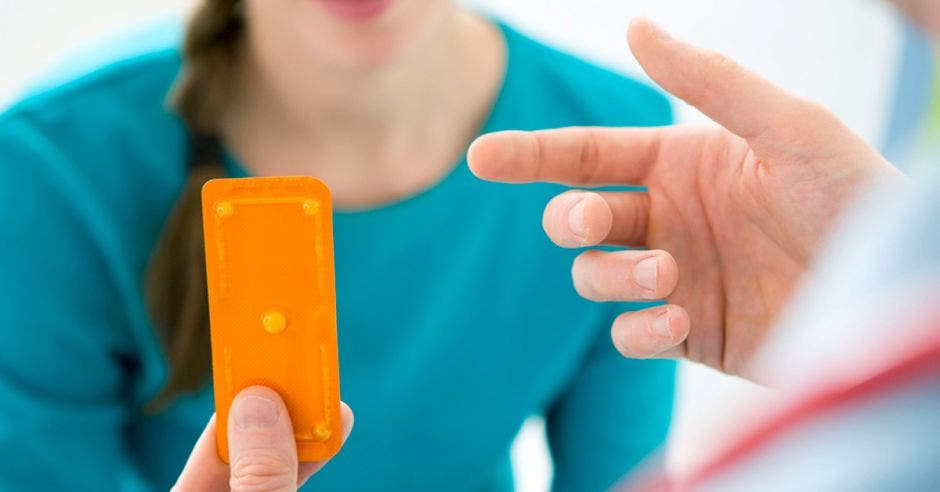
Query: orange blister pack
{"points": [[272, 302]]}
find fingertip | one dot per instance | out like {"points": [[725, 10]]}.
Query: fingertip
{"points": [[631, 340], [643, 30], [261, 444], [476, 154], [258, 391], [348, 418], [637, 28], [490, 155], [651, 332], [577, 219], [583, 276], [306, 469], [668, 274], [647, 276], [669, 61], [256, 407], [677, 326], [597, 218]]}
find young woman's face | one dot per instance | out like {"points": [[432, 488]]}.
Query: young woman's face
{"points": [[347, 33]]}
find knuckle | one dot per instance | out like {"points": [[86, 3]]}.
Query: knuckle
{"points": [[536, 146], [588, 159], [261, 472], [637, 221]]}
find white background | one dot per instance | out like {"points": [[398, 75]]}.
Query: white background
{"points": [[840, 52]]}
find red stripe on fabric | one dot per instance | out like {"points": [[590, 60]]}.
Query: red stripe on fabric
{"points": [[925, 362]]}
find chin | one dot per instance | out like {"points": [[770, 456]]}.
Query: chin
{"points": [[372, 49], [381, 39]]}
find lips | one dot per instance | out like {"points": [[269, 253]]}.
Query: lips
{"points": [[356, 10]]}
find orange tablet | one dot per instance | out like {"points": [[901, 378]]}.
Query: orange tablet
{"points": [[272, 302]]}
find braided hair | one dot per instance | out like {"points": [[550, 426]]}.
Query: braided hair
{"points": [[175, 279]]}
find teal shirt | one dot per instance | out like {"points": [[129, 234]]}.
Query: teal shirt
{"points": [[457, 316]]}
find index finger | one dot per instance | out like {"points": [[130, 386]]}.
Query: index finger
{"points": [[578, 156]]}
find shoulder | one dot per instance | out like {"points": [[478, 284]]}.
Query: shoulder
{"points": [[122, 65], [98, 123], [109, 97], [93, 146], [583, 90]]}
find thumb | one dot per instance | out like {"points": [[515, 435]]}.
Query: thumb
{"points": [[262, 451], [770, 118]]}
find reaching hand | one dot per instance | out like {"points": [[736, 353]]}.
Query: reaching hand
{"points": [[732, 215]]}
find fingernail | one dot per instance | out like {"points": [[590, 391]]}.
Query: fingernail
{"points": [[576, 219], [646, 272], [661, 326], [254, 412]]}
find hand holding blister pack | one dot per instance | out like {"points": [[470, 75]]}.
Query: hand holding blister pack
{"points": [[272, 302]]}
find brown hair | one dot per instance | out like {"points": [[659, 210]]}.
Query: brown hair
{"points": [[175, 280]]}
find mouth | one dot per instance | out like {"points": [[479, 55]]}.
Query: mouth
{"points": [[356, 10]]}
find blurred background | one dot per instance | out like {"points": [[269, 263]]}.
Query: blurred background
{"points": [[855, 56]]}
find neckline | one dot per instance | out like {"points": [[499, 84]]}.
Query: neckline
{"points": [[235, 169]]}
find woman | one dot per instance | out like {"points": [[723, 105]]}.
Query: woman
{"points": [[105, 374]]}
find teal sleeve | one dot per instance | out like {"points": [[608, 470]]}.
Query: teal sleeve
{"points": [[615, 413], [63, 356]]}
